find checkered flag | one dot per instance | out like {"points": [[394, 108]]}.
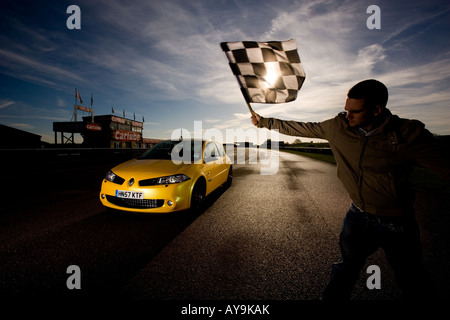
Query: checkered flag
{"points": [[268, 72]]}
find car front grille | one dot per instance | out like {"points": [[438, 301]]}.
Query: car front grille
{"points": [[135, 203]]}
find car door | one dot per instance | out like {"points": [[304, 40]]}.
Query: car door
{"points": [[211, 166], [223, 164]]}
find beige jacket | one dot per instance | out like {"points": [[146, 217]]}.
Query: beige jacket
{"points": [[374, 168]]}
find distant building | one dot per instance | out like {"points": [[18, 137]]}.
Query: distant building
{"points": [[245, 144], [12, 138], [269, 144], [105, 131]]}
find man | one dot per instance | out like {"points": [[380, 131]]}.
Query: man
{"points": [[375, 152]]}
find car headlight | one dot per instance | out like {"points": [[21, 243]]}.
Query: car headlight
{"points": [[177, 178], [112, 177]]}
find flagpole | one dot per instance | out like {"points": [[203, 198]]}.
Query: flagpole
{"points": [[246, 97], [250, 108], [75, 105]]}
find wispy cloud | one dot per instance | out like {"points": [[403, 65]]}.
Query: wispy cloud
{"points": [[5, 103], [28, 68], [60, 102], [22, 126], [414, 24], [23, 110]]}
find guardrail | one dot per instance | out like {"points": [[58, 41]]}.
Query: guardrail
{"points": [[310, 150]]}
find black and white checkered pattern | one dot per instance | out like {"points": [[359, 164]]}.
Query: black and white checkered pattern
{"points": [[268, 72]]}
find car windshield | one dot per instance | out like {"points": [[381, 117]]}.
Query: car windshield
{"points": [[175, 150]]}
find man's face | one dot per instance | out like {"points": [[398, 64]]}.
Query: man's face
{"points": [[357, 114]]}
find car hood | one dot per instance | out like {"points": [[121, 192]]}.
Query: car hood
{"points": [[149, 168]]}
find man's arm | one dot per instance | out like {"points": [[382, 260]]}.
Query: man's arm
{"points": [[291, 128]]}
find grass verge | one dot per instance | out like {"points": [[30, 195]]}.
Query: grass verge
{"points": [[318, 156]]}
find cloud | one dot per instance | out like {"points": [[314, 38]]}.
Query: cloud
{"points": [[421, 92], [369, 56], [423, 74], [60, 102], [5, 103], [21, 125], [31, 112], [29, 68]]}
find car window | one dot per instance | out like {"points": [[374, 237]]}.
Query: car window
{"points": [[160, 151], [167, 149], [211, 152], [220, 149]]}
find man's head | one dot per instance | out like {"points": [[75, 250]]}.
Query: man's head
{"points": [[365, 102]]}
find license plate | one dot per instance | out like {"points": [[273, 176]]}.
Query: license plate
{"points": [[129, 194]]}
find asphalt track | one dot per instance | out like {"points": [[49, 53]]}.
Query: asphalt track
{"points": [[267, 238]]}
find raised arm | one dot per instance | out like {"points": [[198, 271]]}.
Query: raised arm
{"points": [[293, 128]]}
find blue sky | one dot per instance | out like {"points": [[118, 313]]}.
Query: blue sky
{"points": [[161, 60]]}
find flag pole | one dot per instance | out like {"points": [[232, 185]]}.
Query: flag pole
{"points": [[250, 108], [246, 97], [75, 105]]}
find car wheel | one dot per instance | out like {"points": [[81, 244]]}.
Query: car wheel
{"points": [[229, 178], [198, 196]]}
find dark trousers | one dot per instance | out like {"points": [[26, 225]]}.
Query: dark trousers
{"points": [[361, 235]]}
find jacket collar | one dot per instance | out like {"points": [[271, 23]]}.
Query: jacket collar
{"points": [[381, 128]]}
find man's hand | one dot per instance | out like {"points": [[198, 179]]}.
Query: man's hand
{"points": [[255, 118]]}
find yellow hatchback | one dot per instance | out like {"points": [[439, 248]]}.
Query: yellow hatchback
{"points": [[171, 176]]}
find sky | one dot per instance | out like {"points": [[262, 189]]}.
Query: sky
{"points": [[161, 60]]}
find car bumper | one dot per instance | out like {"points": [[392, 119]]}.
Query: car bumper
{"points": [[157, 199]]}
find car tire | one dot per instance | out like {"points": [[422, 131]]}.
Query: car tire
{"points": [[198, 196]]}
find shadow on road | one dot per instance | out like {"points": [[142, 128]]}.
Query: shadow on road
{"points": [[109, 247]]}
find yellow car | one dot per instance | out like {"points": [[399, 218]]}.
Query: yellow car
{"points": [[171, 176]]}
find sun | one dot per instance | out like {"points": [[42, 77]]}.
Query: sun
{"points": [[271, 75]]}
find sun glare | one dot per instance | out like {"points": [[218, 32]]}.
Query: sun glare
{"points": [[271, 76]]}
